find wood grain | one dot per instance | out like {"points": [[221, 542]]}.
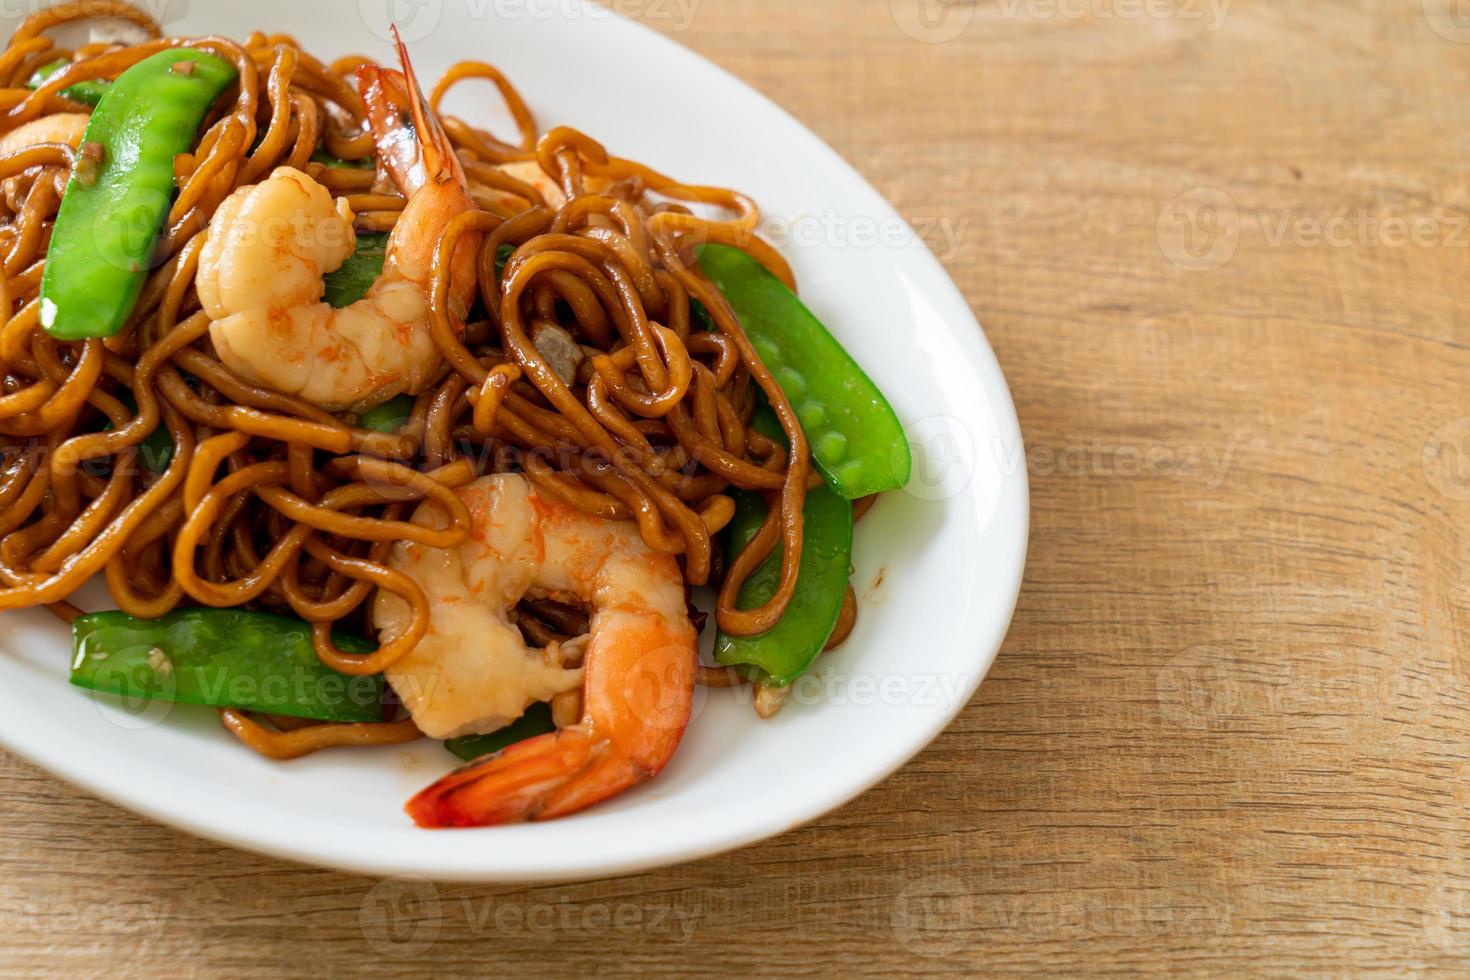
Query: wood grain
{"points": [[1228, 729]]}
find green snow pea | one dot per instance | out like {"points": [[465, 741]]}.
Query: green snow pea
{"points": [[856, 440], [786, 650], [388, 416], [89, 92], [350, 282], [326, 159], [502, 256], [157, 448], [228, 658], [112, 210], [536, 721]]}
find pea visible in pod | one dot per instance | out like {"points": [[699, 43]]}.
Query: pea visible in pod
{"points": [[856, 439]]}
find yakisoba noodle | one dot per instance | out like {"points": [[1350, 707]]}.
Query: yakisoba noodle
{"points": [[273, 503]]}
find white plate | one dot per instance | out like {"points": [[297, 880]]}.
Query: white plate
{"points": [[949, 551]]}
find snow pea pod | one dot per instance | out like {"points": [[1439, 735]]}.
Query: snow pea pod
{"points": [[88, 92], [113, 208], [228, 658], [786, 650], [387, 417], [857, 441], [350, 281], [536, 721], [157, 448], [327, 160]]}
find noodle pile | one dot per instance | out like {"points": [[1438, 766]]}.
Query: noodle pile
{"points": [[270, 502]]}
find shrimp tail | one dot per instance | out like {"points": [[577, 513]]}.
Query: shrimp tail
{"points": [[540, 778], [638, 690], [410, 141]]}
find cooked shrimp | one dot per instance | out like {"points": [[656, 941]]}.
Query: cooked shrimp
{"points": [[474, 673], [60, 127], [269, 245]]}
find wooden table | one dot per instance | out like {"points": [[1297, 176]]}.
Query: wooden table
{"points": [[1221, 253]]}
